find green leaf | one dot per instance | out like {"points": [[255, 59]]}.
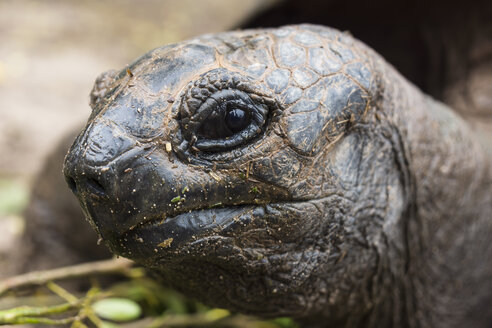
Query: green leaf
{"points": [[117, 309], [216, 314], [285, 322]]}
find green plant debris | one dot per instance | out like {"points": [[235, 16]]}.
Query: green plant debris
{"points": [[215, 205], [254, 190], [216, 314], [152, 296], [24, 314], [285, 323], [117, 309], [185, 190], [140, 301], [177, 199]]}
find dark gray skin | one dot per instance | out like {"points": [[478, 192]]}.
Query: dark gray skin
{"points": [[346, 197]]}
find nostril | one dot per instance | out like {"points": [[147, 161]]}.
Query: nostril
{"points": [[71, 184], [96, 187]]}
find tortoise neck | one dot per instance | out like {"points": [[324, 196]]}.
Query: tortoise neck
{"points": [[449, 225]]}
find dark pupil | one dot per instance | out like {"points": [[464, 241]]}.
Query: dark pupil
{"points": [[236, 120]]}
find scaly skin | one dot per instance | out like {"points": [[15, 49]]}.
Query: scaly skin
{"points": [[347, 198]]}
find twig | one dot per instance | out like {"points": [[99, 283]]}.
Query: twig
{"points": [[41, 321], [62, 292], [202, 320], [23, 314], [119, 266], [87, 310], [183, 320], [39, 315]]}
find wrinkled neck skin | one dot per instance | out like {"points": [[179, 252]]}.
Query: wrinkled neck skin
{"points": [[447, 183], [451, 223], [426, 271]]}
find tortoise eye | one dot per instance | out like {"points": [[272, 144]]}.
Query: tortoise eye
{"points": [[223, 123], [236, 120], [227, 119], [223, 110]]}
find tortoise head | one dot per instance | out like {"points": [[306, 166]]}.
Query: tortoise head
{"points": [[248, 168]]}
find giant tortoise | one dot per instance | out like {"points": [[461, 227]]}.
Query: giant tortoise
{"points": [[291, 171]]}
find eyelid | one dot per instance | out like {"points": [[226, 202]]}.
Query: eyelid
{"points": [[257, 114], [204, 104]]}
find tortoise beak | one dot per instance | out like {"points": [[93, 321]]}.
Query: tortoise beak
{"points": [[90, 169]]}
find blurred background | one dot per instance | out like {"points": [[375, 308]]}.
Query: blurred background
{"points": [[51, 51]]}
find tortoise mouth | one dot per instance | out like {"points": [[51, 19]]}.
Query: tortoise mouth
{"points": [[157, 236], [189, 214]]}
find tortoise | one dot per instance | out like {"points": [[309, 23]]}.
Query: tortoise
{"points": [[290, 172]]}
